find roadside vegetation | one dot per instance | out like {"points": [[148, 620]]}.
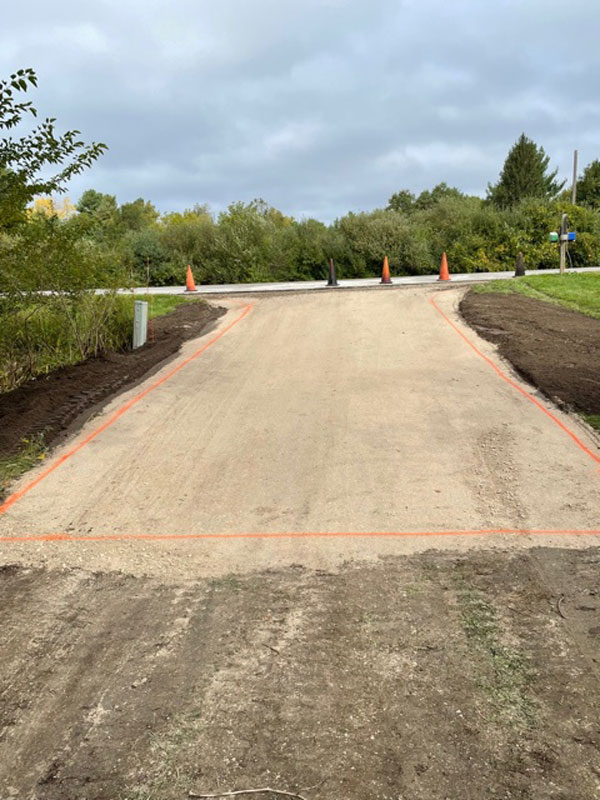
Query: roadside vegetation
{"points": [[575, 291], [44, 333], [51, 261], [254, 242]]}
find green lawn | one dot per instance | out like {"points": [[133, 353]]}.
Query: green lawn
{"points": [[159, 304], [580, 292]]}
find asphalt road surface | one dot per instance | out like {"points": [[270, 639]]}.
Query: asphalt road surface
{"points": [[350, 283], [312, 429]]}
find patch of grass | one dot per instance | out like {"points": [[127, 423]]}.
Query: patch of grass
{"points": [[593, 420], [579, 292], [160, 304], [509, 677], [33, 451]]}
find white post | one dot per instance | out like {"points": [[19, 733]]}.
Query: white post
{"points": [[140, 323]]}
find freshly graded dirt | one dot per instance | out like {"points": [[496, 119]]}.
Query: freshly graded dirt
{"points": [[554, 348], [426, 677], [53, 404], [337, 413]]}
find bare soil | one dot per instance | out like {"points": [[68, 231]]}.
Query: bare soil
{"points": [[554, 348], [241, 663], [54, 404], [426, 677]]}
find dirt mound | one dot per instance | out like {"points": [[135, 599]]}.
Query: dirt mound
{"points": [[50, 404], [554, 348]]}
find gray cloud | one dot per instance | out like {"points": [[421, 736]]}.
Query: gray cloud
{"points": [[320, 107]]}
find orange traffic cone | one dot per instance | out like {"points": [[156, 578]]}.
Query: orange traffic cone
{"points": [[444, 274], [190, 286], [385, 275]]}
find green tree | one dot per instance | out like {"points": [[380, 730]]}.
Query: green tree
{"points": [[406, 202], [137, 215], [402, 201], [524, 175], [190, 237], [428, 199], [101, 208], [145, 256], [25, 161], [588, 186]]}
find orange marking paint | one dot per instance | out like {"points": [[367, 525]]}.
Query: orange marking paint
{"points": [[516, 386], [123, 537], [10, 501]]}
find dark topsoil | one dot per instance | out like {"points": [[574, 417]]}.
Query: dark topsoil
{"points": [[52, 404], [429, 677], [554, 348]]}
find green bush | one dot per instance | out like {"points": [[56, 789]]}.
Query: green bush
{"points": [[40, 334], [50, 315]]}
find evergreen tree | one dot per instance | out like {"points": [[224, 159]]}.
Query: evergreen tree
{"points": [[524, 175], [588, 186]]}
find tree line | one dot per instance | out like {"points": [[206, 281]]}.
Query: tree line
{"points": [[102, 242]]}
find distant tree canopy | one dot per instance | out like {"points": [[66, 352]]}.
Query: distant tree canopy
{"points": [[102, 212], [405, 201], [524, 175], [24, 161], [48, 207], [588, 186], [132, 243]]}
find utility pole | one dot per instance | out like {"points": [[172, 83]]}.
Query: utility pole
{"points": [[574, 192]]}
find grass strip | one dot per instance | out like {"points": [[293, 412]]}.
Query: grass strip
{"points": [[161, 304], [579, 292], [593, 420]]}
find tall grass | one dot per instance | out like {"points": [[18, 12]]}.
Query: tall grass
{"points": [[41, 333]]}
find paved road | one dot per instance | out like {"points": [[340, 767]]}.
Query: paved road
{"points": [[358, 283], [332, 412]]}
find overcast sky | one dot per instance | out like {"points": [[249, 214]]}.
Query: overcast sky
{"points": [[317, 106]]}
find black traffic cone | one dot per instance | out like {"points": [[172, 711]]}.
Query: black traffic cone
{"points": [[520, 268], [332, 279]]}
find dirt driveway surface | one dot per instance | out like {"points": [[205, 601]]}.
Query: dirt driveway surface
{"points": [[338, 413], [424, 678], [306, 555]]}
